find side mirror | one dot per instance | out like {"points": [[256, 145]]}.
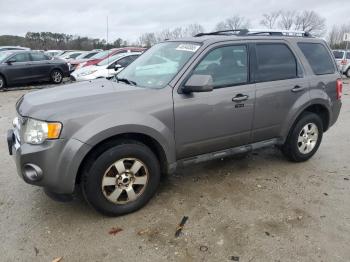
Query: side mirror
{"points": [[198, 83], [117, 67], [10, 61]]}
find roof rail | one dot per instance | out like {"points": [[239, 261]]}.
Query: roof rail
{"points": [[255, 32], [226, 32]]}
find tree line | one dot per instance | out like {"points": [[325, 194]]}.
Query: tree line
{"points": [[282, 19]]}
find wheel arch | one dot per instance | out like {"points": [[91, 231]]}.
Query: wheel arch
{"points": [[318, 108], [109, 142]]}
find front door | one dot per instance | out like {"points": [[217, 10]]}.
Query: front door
{"points": [[220, 119], [19, 71]]}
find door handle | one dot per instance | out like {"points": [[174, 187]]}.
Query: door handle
{"points": [[298, 88], [240, 98]]}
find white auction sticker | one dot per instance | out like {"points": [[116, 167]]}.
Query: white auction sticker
{"points": [[188, 47]]}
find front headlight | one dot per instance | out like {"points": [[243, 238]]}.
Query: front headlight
{"points": [[36, 131]]}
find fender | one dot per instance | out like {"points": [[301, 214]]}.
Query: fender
{"points": [[111, 125]]}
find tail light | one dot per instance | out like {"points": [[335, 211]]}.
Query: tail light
{"points": [[339, 88], [343, 62]]}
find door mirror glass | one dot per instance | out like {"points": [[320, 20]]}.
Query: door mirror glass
{"points": [[198, 83]]}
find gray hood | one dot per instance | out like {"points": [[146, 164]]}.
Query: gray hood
{"points": [[83, 99]]}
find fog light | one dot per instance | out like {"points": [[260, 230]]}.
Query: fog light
{"points": [[32, 172]]}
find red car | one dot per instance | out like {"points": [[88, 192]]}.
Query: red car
{"points": [[104, 54]]}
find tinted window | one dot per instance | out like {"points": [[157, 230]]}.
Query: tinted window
{"points": [[338, 54], [227, 66], [22, 57], [348, 55], [74, 55], [318, 57], [124, 62], [39, 57], [275, 62], [89, 55]]}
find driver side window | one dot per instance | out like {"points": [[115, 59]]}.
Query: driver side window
{"points": [[227, 66], [22, 57]]}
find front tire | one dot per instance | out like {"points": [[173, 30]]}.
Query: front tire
{"points": [[122, 179], [2, 83], [56, 76], [304, 138], [348, 73]]}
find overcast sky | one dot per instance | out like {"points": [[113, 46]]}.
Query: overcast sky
{"points": [[129, 18]]}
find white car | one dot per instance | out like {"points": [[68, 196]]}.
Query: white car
{"points": [[107, 68]]}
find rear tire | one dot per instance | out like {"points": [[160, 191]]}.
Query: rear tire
{"points": [[122, 179], [348, 73], [56, 76], [304, 138], [2, 83]]}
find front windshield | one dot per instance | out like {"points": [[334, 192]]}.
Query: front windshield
{"points": [[4, 55], [158, 66], [110, 59]]}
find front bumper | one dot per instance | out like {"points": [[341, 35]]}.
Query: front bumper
{"points": [[56, 162]]}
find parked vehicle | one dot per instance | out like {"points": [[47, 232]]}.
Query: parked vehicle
{"points": [[107, 68], [230, 93], [53, 53], [343, 61], [8, 48], [20, 67], [70, 55], [74, 62], [103, 55]]}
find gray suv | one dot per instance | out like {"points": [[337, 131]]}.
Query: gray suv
{"points": [[181, 102]]}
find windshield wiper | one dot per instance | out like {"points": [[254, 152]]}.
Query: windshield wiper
{"points": [[125, 80]]}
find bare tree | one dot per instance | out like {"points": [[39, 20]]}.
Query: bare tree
{"points": [[335, 36], [193, 29], [312, 22], [287, 19], [147, 39], [269, 19], [232, 23]]}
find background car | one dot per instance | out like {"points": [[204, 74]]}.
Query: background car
{"points": [[342, 58], [74, 62], [53, 53], [103, 55], [107, 68], [20, 67], [6, 48], [70, 55]]}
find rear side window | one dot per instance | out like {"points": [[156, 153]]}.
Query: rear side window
{"points": [[275, 62], [348, 55], [318, 57], [39, 57]]}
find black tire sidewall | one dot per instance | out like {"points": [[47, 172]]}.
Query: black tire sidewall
{"points": [[51, 76], [4, 83], [293, 139], [92, 180]]}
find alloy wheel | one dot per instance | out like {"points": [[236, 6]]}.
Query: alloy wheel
{"points": [[56, 76], [307, 138], [125, 180]]}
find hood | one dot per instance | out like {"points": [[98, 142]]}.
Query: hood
{"points": [[82, 98], [85, 69]]}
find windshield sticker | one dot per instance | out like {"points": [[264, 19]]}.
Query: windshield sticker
{"points": [[187, 47]]}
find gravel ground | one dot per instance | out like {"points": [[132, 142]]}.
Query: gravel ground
{"points": [[260, 208]]}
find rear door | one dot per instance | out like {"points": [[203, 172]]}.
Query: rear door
{"points": [[280, 84], [220, 119], [19, 71], [40, 66]]}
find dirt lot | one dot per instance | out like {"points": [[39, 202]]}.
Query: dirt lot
{"points": [[261, 208]]}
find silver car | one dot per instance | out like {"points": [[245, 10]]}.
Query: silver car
{"points": [[342, 58]]}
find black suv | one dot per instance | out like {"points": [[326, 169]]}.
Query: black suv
{"points": [[21, 67]]}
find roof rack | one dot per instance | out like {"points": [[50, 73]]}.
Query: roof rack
{"points": [[255, 32]]}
